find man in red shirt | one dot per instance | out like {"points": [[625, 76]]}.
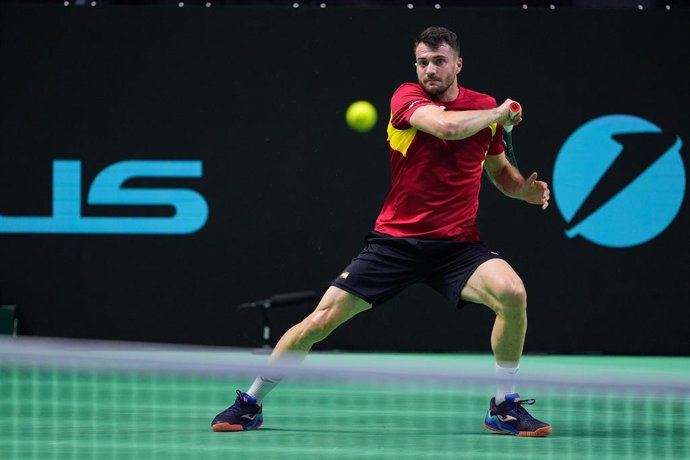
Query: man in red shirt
{"points": [[441, 137]]}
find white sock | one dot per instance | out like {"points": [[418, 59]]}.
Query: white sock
{"points": [[261, 387], [505, 371]]}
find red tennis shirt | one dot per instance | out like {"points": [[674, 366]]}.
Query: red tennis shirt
{"points": [[435, 182]]}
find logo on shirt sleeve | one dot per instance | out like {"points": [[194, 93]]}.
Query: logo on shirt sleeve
{"points": [[416, 102]]}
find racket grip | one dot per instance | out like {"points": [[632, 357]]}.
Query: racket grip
{"points": [[514, 110]]}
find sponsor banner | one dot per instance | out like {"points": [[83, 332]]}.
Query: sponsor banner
{"points": [[160, 166]]}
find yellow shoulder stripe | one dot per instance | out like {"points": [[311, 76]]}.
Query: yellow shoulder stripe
{"points": [[400, 139]]}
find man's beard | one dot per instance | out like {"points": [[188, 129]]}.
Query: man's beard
{"points": [[436, 90]]}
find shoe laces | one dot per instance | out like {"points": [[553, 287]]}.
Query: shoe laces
{"points": [[517, 406], [238, 407]]}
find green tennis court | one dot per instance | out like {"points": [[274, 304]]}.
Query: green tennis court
{"points": [[65, 412]]}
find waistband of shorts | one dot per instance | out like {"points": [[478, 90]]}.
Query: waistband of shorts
{"points": [[374, 236]]}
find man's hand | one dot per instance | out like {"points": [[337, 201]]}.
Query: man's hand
{"points": [[535, 191], [504, 113]]}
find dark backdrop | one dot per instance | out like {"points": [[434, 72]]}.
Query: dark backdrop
{"points": [[259, 95]]}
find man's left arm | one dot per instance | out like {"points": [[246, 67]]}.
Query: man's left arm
{"points": [[509, 181]]}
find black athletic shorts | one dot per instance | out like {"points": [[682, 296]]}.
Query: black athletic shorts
{"points": [[388, 264]]}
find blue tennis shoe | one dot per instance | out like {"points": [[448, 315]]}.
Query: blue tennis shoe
{"points": [[244, 415], [510, 417]]}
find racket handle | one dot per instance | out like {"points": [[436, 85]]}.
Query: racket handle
{"points": [[514, 110]]}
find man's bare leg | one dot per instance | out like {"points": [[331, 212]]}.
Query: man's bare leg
{"points": [[335, 307], [496, 285]]}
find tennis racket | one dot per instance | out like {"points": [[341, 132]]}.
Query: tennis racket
{"points": [[508, 139], [508, 135]]}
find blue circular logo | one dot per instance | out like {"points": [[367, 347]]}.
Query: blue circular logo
{"points": [[619, 181]]}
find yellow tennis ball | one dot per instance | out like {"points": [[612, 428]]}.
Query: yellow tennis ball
{"points": [[361, 116]]}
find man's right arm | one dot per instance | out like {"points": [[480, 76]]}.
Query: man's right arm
{"points": [[454, 125]]}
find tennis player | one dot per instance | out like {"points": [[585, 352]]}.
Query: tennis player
{"points": [[441, 136]]}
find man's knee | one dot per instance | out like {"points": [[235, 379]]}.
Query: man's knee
{"points": [[335, 308], [512, 297], [316, 327]]}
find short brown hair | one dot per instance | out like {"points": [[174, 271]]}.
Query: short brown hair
{"points": [[435, 37]]}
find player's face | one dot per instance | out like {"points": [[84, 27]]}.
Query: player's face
{"points": [[437, 69]]}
